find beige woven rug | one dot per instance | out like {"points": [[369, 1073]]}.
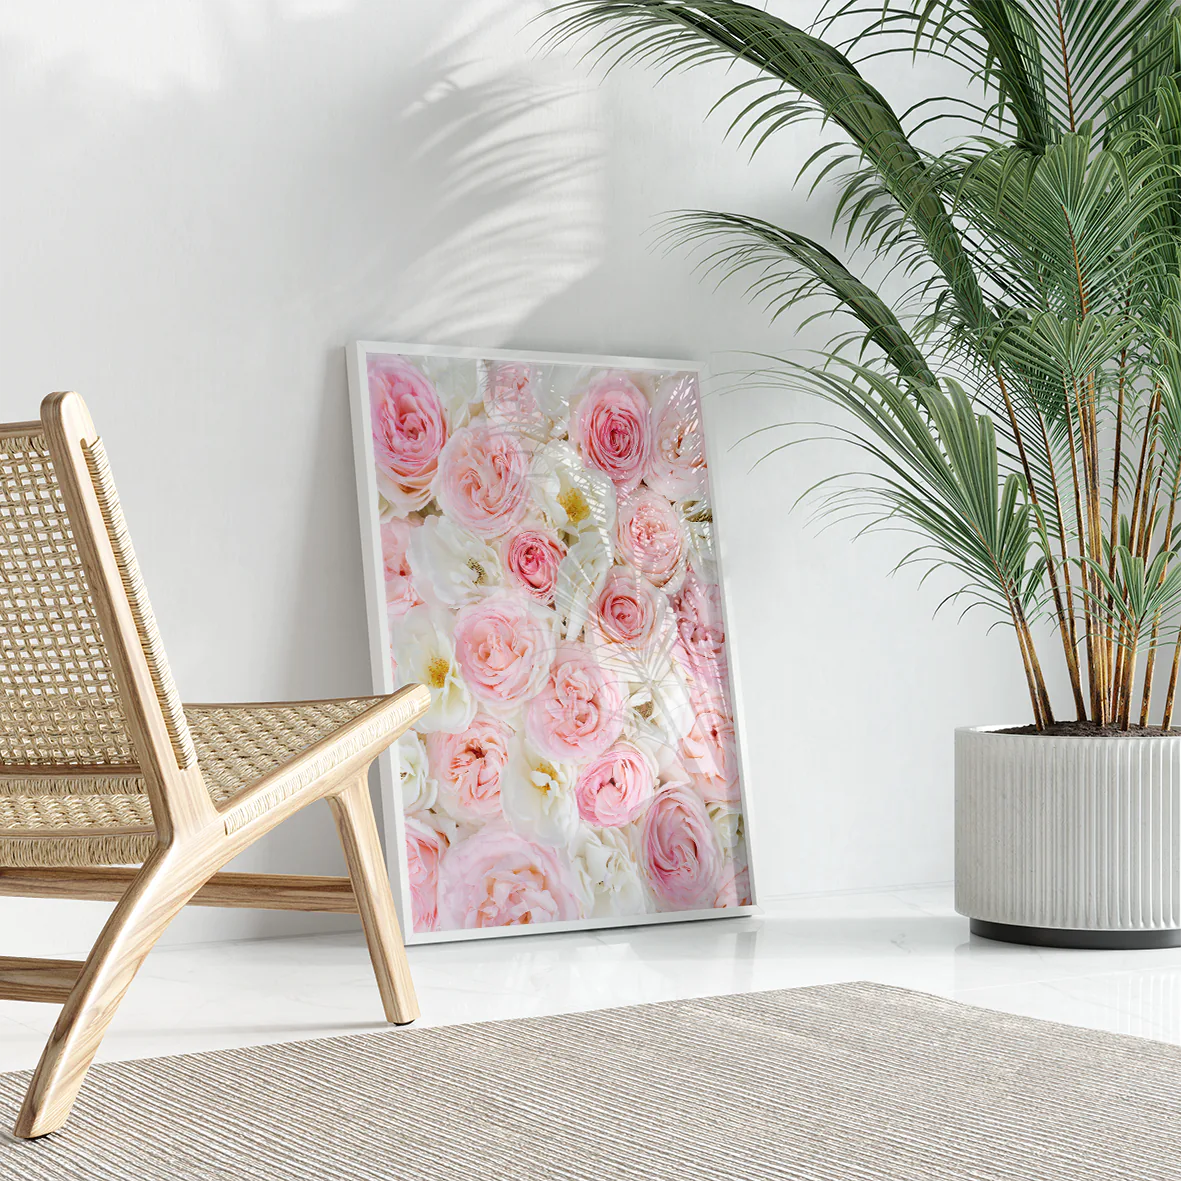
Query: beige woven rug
{"points": [[845, 1082]]}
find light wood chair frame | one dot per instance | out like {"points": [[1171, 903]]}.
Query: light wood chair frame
{"points": [[195, 836]]}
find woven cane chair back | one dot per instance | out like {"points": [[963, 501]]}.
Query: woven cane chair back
{"points": [[60, 705]]}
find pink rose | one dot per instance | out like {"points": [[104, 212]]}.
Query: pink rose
{"points": [[509, 399], [676, 468], [651, 538], [504, 644], [579, 711], [700, 629], [610, 429], [711, 749], [400, 594], [629, 609], [483, 480], [409, 430], [499, 879], [532, 557], [734, 888], [468, 766], [616, 786], [424, 851], [679, 850]]}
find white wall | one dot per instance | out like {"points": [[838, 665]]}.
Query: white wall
{"points": [[201, 202]]}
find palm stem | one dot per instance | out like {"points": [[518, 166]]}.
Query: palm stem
{"points": [[1098, 704], [1037, 691], [1171, 692], [1113, 536], [1065, 62], [1146, 696], [1066, 619], [1065, 612]]}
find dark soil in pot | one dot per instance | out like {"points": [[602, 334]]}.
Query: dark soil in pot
{"points": [[1090, 730]]}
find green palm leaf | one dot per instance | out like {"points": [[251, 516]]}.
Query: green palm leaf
{"points": [[790, 62], [789, 267], [1019, 403]]}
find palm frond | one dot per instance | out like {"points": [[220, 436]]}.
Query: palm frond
{"points": [[1020, 401], [996, 43], [789, 267], [681, 34]]}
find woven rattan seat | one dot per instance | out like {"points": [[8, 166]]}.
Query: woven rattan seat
{"points": [[108, 817], [101, 766]]}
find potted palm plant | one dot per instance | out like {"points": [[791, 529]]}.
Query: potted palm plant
{"points": [[1019, 400]]}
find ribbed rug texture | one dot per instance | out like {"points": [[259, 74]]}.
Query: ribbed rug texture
{"points": [[847, 1082]]}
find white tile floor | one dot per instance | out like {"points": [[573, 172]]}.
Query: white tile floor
{"points": [[214, 995]]}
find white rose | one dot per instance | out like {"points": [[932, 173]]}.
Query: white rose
{"points": [[659, 707], [455, 383], [572, 498], [419, 790], [648, 383], [452, 566], [581, 575], [449, 829], [560, 385], [728, 824], [537, 796], [423, 652], [605, 867], [697, 521]]}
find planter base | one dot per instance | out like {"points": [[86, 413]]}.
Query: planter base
{"points": [[1083, 939]]}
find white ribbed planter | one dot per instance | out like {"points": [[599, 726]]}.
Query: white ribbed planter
{"points": [[1072, 842]]}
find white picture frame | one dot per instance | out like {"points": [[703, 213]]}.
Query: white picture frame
{"points": [[393, 820]]}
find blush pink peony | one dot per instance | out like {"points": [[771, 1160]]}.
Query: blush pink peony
{"points": [[710, 749], [400, 594], [532, 558], [629, 609], [680, 854], [504, 644], [424, 852], [651, 537], [467, 768], [409, 431], [483, 480], [497, 878], [700, 629], [610, 427], [616, 786], [676, 468], [579, 711]]}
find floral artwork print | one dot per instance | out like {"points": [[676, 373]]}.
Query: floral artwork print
{"points": [[550, 576]]}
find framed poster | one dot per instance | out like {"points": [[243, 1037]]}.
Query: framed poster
{"points": [[539, 552]]}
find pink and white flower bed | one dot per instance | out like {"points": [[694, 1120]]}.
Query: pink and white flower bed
{"points": [[542, 531]]}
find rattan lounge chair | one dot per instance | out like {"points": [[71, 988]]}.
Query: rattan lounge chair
{"points": [[102, 768]]}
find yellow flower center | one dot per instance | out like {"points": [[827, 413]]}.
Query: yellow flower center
{"points": [[479, 571], [576, 505], [436, 672], [545, 776]]}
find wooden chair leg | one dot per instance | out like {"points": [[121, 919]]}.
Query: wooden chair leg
{"points": [[158, 893], [353, 811]]}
